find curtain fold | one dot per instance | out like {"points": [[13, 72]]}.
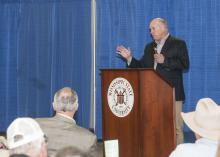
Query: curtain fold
{"points": [[44, 46]]}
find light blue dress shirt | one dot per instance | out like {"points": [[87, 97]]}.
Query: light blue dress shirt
{"points": [[203, 147]]}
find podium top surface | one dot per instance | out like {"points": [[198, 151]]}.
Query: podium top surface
{"points": [[126, 69], [139, 69]]}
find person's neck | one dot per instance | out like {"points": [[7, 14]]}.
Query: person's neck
{"points": [[67, 113], [165, 36]]}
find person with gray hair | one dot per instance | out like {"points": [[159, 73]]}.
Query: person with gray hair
{"points": [[24, 136], [62, 130], [65, 100], [168, 56]]}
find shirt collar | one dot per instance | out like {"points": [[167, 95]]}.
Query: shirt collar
{"points": [[162, 41], [205, 140], [65, 116]]}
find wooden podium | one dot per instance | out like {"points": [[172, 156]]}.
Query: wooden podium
{"points": [[148, 129]]}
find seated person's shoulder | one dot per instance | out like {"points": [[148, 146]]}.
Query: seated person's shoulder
{"points": [[84, 131], [182, 150], [44, 119], [191, 149], [46, 122]]}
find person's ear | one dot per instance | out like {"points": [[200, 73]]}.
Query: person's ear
{"points": [[43, 152]]}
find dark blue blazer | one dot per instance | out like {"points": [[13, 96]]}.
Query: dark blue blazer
{"points": [[176, 61]]}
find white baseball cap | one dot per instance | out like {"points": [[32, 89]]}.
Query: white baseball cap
{"points": [[22, 131]]}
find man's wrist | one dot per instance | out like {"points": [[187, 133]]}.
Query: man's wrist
{"points": [[129, 60]]}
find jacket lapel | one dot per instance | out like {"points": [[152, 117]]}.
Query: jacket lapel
{"points": [[166, 44]]}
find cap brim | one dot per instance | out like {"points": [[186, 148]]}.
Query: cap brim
{"points": [[188, 118]]}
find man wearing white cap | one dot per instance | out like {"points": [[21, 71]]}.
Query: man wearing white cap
{"points": [[24, 136], [205, 123]]}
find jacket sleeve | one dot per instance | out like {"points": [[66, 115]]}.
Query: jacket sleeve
{"points": [[146, 60]]}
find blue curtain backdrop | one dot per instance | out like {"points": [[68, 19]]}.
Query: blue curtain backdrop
{"points": [[197, 22], [44, 46]]}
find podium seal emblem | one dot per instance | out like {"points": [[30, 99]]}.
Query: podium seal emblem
{"points": [[120, 97]]}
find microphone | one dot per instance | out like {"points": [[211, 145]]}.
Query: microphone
{"points": [[155, 50]]}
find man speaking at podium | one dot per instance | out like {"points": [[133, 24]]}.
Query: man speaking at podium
{"points": [[169, 57]]}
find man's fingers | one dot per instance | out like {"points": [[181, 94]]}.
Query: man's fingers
{"points": [[120, 48], [156, 56]]}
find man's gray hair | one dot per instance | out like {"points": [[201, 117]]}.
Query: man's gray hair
{"points": [[163, 21], [65, 103]]}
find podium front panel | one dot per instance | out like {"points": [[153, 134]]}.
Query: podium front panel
{"points": [[148, 129], [125, 129], [157, 115]]}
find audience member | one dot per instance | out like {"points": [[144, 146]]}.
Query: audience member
{"points": [[62, 129], [24, 136], [205, 123], [70, 152]]}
